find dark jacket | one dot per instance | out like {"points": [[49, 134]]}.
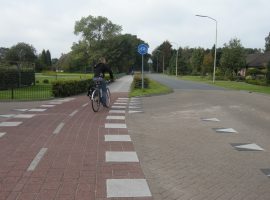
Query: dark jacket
{"points": [[100, 70]]}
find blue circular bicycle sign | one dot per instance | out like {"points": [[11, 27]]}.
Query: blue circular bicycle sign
{"points": [[143, 49]]}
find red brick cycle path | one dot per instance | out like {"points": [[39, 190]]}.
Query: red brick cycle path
{"points": [[73, 167]]}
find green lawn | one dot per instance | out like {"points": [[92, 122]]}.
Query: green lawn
{"points": [[36, 92], [154, 88], [230, 84]]}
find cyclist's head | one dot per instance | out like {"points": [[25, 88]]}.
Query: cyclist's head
{"points": [[102, 60]]}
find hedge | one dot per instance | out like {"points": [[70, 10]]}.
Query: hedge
{"points": [[64, 88], [10, 77]]}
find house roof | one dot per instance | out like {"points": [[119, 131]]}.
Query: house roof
{"points": [[258, 59]]}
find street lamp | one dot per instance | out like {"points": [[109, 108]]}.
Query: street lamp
{"points": [[176, 57], [215, 59]]}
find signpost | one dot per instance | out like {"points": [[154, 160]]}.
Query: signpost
{"points": [[142, 49]]}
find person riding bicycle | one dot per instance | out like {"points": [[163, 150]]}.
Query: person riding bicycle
{"points": [[99, 75]]}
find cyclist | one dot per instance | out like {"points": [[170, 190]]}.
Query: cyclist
{"points": [[99, 75]]}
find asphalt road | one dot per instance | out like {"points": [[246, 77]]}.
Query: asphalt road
{"points": [[183, 157], [174, 83]]}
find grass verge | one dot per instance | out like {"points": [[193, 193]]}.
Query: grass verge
{"points": [[230, 84], [155, 88]]}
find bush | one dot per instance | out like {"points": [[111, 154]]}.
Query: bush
{"points": [[256, 82], [137, 81], [64, 88], [46, 81]]}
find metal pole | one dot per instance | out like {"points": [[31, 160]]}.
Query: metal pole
{"points": [[215, 59], [176, 62], [142, 74]]}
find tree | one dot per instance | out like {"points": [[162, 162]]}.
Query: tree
{"points": [[197, 60], [207, 66], [95, 29], [48, 58], [233, 58], [267, 43], [21, 52]]}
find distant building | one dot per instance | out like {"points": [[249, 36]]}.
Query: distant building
{"points": [[256, 60]]}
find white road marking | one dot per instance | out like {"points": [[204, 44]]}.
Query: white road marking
{"points": [[58, 128], [115, 125], [73, 113], [37, 159], [117, 111], [127, 188], [121, 156], [211, 119], [37, 110], [47, 106], [116, 117], [117, 138], [251, 146], [2, 134], [84, 105], [226, 130], [9, 124]]}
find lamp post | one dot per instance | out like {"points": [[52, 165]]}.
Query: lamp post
{"points": [[215, 58], [176, 58]]}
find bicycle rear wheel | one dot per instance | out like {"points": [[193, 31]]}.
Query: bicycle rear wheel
{"points": [[108, 98], [95, 100]]}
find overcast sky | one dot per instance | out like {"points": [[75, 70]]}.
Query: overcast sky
{"points": [[49, 24]]}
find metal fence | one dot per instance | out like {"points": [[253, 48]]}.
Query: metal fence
{"points": [[17, 82]]}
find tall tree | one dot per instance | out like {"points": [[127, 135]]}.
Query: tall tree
{"points": [[268, 73], [197, 60], [233, 57], [21, 52], [267, 43], [207, 66], [48, 58], [95, 29]]}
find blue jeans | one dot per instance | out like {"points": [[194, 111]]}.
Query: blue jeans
{"points": [[103, 87]]}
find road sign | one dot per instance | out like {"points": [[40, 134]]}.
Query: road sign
{"points": [[150, 61], [142, 49]]}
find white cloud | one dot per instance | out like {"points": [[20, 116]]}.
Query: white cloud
{"points": [[50, 24]]}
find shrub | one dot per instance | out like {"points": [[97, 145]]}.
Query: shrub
{"points": [[137, 81], [256, 82], [46, 81], [64, 88]]}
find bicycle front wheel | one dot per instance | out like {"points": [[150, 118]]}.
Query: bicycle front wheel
{"points": [[95, 100], [108, 98]]}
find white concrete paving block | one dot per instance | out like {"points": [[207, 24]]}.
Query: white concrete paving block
{"points": [[134, 107], [117, 138], [117, 111], [37, 159], [37, 110], [2, 134], [226, 130], [24, 116], [127, 188], [121, 156], [115, 125], [116, 117], [123, 98], [120, 103], [211, 119], [7, 116], [55, 102], [47, 106], [134, 111], [21, 109], [118, 107], [9, 124]]}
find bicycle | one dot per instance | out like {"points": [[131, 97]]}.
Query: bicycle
{"points": [[96, 95]]}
